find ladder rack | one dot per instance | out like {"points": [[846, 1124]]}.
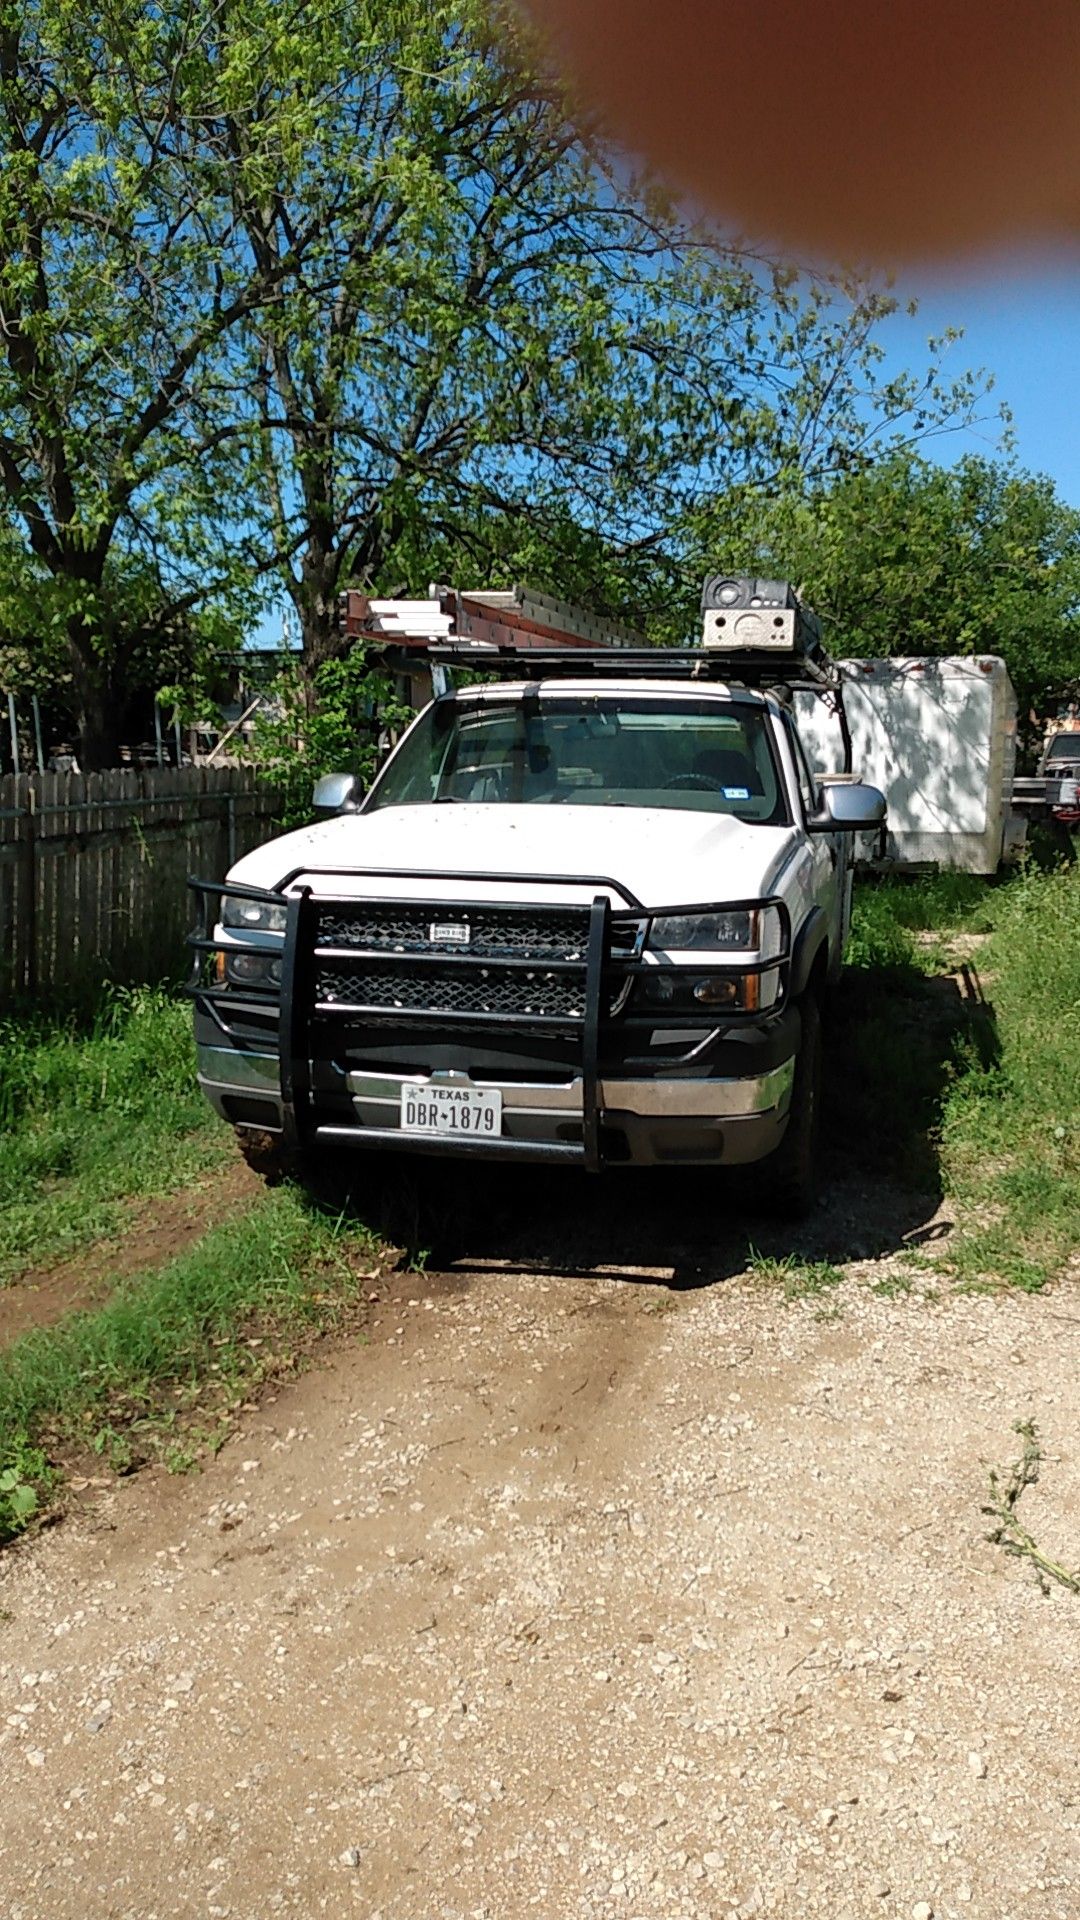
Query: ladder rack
{"points": [[517, 618]]}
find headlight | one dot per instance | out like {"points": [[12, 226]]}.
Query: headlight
{"points": [[742, 930], [252, 969], [261, 916]]}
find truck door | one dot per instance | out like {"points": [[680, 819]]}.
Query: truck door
{"points": [[833, 857]]}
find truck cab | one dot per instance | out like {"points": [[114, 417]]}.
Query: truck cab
{"points": [[582, 918]]}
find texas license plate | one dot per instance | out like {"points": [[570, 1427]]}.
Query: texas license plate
{"points": [[472, 1111]]}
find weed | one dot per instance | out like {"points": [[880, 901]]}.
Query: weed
{"points": [[800, 1279], [1008, 1533], [187, 1455], [24, 1477], [892, 1286], [92, 1115], [115, 1448]]}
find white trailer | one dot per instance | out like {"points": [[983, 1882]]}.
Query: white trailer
{"points": [[938, 737]]}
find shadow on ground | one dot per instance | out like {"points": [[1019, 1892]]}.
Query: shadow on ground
{"points": [[896, 1040]]}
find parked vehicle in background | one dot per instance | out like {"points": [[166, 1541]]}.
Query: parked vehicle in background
{"points": [[938, 737], [1059, 766], [586, 914]]}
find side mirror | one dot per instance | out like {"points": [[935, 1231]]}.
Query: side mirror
{"points": [[336, 793], [849, 806]]}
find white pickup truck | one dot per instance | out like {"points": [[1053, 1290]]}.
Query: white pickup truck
{"points": [[583, 916]]}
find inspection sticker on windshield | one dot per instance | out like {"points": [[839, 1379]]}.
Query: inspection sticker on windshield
{"points": [[472, 1111], [736, 793]]}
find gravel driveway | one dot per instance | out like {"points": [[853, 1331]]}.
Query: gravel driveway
{"points": [[583, 1587]]}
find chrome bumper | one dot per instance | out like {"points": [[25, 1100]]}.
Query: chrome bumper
{"points": [[378, 1095], [672, 1119]]}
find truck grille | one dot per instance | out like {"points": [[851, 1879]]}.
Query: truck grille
{"points": [[469, 990], [494, 932], [446, 959]]}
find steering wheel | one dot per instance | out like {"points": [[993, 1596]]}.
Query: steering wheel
{"points": [[701, 782]]}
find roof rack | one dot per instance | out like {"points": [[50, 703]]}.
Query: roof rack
{"points": [[767, 672]]}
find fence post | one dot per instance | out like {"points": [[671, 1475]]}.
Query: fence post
{"points": [[30, 971]]}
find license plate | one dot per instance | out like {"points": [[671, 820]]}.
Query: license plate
{"points": [[475, 1112]]}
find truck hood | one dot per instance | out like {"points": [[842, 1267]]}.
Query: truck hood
{"points": [[661, 857]]}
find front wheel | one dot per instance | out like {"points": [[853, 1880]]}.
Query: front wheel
{"points": [[268, 1156], [789, 1176], [330, 1177]]}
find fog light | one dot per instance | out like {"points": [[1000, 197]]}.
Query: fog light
{"points": [[717, 992], [739, 991]]}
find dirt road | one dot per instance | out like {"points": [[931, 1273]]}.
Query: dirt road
{"points": [[600, 1585]]}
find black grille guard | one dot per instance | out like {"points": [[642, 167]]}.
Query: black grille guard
{"points": [[295, 998]]}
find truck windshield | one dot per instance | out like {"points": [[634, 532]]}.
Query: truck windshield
{"points": [[590, 750]]}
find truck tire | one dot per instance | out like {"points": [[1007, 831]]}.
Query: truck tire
{"points": [[329, 1178], [789, 1176], [267, 1155]]}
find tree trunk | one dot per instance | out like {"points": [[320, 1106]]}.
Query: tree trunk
{"points": [[97, 708], [322, 635]]}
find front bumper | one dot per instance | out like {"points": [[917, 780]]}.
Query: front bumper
{"points": [[643, 1122]]}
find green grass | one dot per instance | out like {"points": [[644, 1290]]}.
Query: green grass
{"points": [[980, 1097], [889, 914], [1010, 1136], [122, 1381], [799, 1279], [93, 1116]]}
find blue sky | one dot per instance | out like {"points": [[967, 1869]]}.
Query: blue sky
{"points": [[1021, 321]]}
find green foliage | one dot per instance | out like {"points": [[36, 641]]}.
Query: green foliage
{"points": [[90, 1117], [332, 723], [25, 1476], [902, 556], [878, 942], [887, 913]]}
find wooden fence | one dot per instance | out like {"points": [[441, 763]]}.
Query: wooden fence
{"points": [[93, 870]]}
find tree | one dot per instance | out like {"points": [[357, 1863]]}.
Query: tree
{"points": [[122, 292], [329, 287], [502, 344], [910, 557]]}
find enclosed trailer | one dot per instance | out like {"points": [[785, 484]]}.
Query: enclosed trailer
{"points": [[938, 737]]}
